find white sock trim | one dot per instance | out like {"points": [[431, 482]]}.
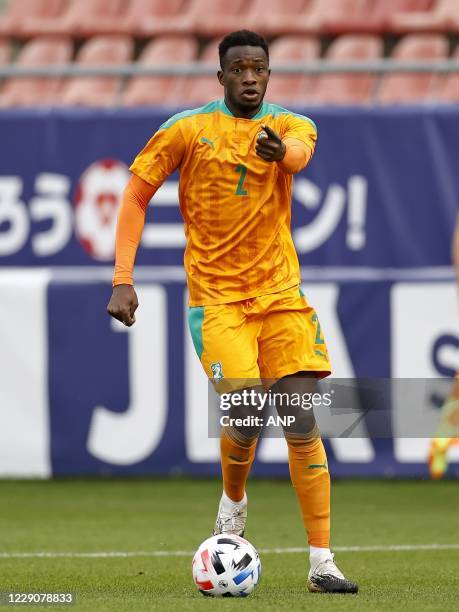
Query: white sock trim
{"points": [[317, 555], [314, 551], [228, 500]]}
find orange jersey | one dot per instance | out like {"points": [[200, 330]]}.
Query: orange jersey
{"points": [[236, 206]]}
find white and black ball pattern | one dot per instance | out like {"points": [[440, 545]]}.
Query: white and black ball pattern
{"points": [[226, 566]]}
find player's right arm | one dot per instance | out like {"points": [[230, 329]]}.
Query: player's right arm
{"points": [[129, 227], [160, 158]]}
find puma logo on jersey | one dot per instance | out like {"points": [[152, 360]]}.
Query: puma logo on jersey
{"points": [[209, 142], [317, 465]]}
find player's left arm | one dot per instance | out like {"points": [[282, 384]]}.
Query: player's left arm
{"points": [[294, 148]]}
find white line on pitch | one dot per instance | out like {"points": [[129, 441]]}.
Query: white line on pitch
{"points": [[188, 553]]}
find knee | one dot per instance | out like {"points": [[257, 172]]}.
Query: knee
{"points": [[303, 424], [244, 437], [245, 422]]}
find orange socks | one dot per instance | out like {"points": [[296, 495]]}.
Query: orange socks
{"points": [[308, 471], [311, 480], [237, 455]]}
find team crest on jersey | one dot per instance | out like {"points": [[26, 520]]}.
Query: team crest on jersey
{"points": [[217, 371]]}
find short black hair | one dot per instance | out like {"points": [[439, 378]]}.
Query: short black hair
{"points": [[239, 39]]}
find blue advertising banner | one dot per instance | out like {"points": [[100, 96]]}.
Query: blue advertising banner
{"points": [[82, 394], [381, 191]]}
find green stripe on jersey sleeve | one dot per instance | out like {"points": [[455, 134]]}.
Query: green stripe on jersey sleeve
{"points": [[211, 107]]}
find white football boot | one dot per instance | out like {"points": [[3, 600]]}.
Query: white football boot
{"points": [[231, 516], [325, 577]]}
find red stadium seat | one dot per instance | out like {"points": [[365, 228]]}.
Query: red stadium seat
{"points": [[37, 91], [274, 17], [291, 88], [166, 50], [86, 18], [413, 87], [98, 17], [136, 17], [448, 86], [199, 90], [98, 91], [349, 88], [443, 16], [154, 17], [379, 18], [36, 24], [215, 17], [332, 16], [17, 18]]}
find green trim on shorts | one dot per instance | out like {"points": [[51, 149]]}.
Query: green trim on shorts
{"points": [[195, 321]]}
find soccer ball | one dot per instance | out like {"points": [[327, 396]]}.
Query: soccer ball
{"points": [[226, 565]]}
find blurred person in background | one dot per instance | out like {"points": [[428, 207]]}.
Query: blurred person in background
{"points": [[447, 432]]}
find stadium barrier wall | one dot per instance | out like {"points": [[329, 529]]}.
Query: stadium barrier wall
{"points": [[373, 217]]}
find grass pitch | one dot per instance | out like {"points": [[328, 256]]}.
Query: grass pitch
{"points": [[160, 517]]}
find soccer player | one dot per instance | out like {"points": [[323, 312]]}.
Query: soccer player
{"points": [[447, 433], [247, 316]]}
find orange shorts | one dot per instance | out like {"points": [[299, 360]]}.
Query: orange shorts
{"points": [[266, 337]]}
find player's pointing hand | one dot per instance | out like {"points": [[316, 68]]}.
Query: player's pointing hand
{"points": [[269, 145], [123, 304]]}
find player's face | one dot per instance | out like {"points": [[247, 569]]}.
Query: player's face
{"points": [[245, 76]]}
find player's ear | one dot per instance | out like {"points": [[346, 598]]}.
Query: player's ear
{"points": [[220, 77]]}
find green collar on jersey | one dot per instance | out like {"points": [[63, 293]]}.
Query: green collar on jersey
{"points": [[267, 108], [264, 110], [219, 105]]}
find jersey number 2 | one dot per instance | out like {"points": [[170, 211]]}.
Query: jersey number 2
{"points": [[243, 170]]}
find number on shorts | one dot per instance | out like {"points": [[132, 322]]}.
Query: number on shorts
{"points": [[319, 339]]}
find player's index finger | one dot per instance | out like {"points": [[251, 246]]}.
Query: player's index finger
{"points": [[270, 133]]}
